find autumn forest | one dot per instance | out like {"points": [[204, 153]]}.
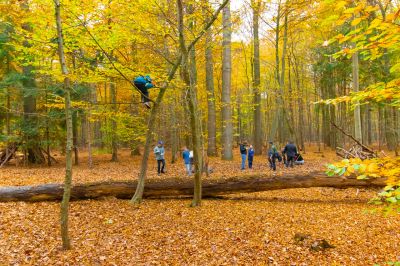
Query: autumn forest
{"points": [[199, 132]]}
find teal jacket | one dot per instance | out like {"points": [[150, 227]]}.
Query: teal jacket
{"points": [[144, 80]]}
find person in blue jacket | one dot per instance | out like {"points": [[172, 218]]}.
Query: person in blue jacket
{"points": [[186, 160], [144, 83], [250, 156]]}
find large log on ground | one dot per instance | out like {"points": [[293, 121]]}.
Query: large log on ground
{"points": [[174, 187]]}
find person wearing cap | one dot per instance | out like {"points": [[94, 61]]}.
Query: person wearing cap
{"points": [[144, 83], [159, 152]]}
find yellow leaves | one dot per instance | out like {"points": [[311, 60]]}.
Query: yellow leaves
{"points": [[356, 21]]}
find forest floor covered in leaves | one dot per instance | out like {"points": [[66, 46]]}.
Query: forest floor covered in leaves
{"points": [[241, 229]]}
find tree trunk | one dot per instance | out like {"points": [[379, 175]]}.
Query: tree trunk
{"points": [[256, 79], [68, 115], [188, 67], [30, 129], [211, 117], [176, 187], [75, 136], [227, 127], [114, 143], [357, 109]]}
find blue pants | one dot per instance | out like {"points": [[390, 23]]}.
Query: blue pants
{"points": [[243, 160], [250, 160], [188, 168]]}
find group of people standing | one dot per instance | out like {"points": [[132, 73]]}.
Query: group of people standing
{"points": [[290, 155]]}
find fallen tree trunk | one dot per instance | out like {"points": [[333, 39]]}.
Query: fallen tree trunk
{"points": [[175, 187]]}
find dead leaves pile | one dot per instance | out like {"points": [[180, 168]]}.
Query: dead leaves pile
{"points": [[243, 229]]}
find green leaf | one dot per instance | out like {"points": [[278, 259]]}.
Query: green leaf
{"points": [[391, 200]]}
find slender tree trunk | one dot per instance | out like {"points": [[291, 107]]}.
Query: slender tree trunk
{"points": [[75, 136], [357, 109], [189, 76], [211, 117], [114, 141], [227, 127], [68, 114], [256, 80]]}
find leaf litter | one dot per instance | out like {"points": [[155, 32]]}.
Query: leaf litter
{"points": [[240, 229]]}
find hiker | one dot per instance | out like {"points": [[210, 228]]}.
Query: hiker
{"points": [[143, 83], [159, 152], [290, 150], [243, 153], [186, 159], [272, 155], [250, 156]]}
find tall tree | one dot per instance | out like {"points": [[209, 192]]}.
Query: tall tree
{"points": [[357, 109], [211, 116], [68, 118], [256, 6], [189, 77], [30, 124], [227, 126]]}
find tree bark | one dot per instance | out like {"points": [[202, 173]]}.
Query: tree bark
{"points": [[68, 114], [188, 68], [227, 127], [211, 117], [114, 144], [30, 129], [256, 79], [176, 187], [357, 109]]}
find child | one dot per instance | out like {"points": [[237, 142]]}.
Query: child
{"points": [[143, 83], [250, 156]]}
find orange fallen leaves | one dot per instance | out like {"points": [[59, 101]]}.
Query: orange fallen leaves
{"points": [[243, 229]]}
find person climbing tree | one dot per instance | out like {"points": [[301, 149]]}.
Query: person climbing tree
{"points": [[144, 83]]}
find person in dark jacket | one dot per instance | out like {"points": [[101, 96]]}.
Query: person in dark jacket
{"points": [[272, 155], [144, 83], [290, 151], [250, 156], [243, 153]]}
